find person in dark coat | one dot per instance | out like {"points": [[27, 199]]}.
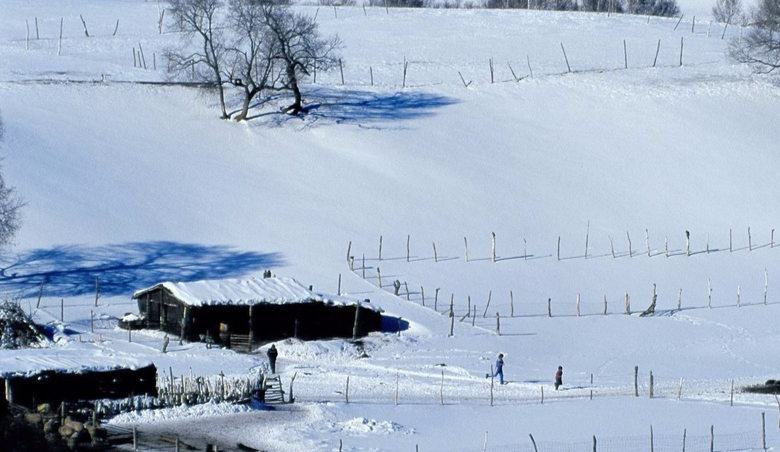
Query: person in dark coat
{"points": [[272, 354], [558, 377]]}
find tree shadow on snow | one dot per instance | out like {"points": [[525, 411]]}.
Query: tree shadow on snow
{"points": [[121, 269], [363, 108]]}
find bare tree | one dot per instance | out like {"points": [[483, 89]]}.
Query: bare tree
{"points": [[200, 20], [10, 208], [252, 52], [727, 11], [299, 47], [760, 47]]}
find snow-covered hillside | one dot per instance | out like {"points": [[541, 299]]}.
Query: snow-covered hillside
{"points": [[577, 173]]}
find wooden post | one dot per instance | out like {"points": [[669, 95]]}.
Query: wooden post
{"points": [[658, 49], [730, 248], [766, 283], [577, 305], [542, 387], [92, 321], [380, 247], [491, 385], [490, 295], [612, 247], [636, 381], [628, 304], [772, 239], [777, 399], [763, 430], [396, 387], [650, 392], [594, 443], [379, 277], [731, 395], [341, 69], [625, 54], [652, 439], [681, 49], [528, 60], [559, 247], [492, 79], [630, 251], [349, 250], [474, 317], [338, 290], [685, 435], [62, 310], [679, 300], [750, 241], [441, 389], [452, 323], [549, 307], [436, 300], [406, 285], [435, 255], [422, 294], [408, 239], [587, 238], [709, 294], [498, 324], [135, 437], [605, 305], [86, 32], [356, 327], [59, 43], [647, 241], [533, 441], [363, 269], [666, 246], [712, 438], [565, 58], [346, 391], [465, 249], [37, 30], [512, 304], [27, 36], [116, 27], [738, 297], [493, 248]]}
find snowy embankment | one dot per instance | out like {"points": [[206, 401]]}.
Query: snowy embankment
{"points": [[576, 173]]}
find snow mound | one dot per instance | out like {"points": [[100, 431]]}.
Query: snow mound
{"points": [[363, 426], [211, 409]]}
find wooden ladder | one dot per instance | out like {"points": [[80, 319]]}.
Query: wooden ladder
{"points": [[273, 390]]}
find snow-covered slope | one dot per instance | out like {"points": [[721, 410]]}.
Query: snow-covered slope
{"points": [[577, 173]]}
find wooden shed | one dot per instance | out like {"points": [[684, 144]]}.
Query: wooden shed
{"points": [[259, 310], [55, 385]]}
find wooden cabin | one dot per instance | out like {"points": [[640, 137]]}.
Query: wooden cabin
{"points": [[54, 386], [257, 310]]}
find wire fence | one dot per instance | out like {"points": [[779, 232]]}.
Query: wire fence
{"points": [[714, 442]]}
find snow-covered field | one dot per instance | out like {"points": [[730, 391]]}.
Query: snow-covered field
{"points": [[576, 173]]}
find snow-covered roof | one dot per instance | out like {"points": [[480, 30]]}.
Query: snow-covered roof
{"points": [[28, 362], [247, 292]]}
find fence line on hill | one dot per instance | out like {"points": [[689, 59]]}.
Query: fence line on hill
{"points": [[463, 309]]}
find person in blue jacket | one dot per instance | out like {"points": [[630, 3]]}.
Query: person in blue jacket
{"points": [[498, 370]]}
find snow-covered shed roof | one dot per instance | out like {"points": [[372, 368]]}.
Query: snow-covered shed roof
{"points": [[247, 292], [28, 362]]}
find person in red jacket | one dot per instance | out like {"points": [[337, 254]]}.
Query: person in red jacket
{"points": [[558, 377]]}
